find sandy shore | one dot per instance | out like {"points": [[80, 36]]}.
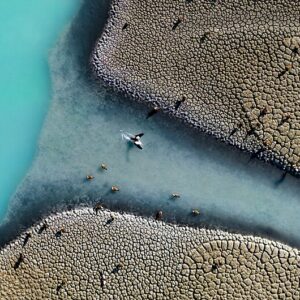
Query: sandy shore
{"points": [[230, 68], [82, 254]]}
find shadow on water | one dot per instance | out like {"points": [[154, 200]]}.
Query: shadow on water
{"points": [[83, 129]]}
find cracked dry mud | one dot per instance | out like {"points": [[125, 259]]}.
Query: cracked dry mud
{"points": [[84, 255], [235, 63]]}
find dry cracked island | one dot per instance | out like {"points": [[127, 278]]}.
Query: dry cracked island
{"points": [[88, 254], [227, 67], [230, 68]]}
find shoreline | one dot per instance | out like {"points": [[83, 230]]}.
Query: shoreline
{"points": [[130, 250], [103, 62]]}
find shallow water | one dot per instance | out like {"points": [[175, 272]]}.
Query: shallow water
{"points": [[82, 130], [28, 30]]}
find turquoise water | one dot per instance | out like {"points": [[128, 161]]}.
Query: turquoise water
{"points": [[28, 31], [82, 130]]}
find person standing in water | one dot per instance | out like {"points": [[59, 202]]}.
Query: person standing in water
{"points": [[136, 139]]}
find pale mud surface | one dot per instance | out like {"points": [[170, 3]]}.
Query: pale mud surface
{"points": [[235, 62], [84, 255]]}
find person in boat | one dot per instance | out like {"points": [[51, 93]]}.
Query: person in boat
{"points": [[136, 139]]}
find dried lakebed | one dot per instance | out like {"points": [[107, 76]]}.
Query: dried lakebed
{"points": [[82, 254], [230, 68], [82, 130]]}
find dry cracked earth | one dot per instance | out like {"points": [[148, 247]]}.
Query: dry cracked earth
{"points": [[82, 254], [230, 68]]}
